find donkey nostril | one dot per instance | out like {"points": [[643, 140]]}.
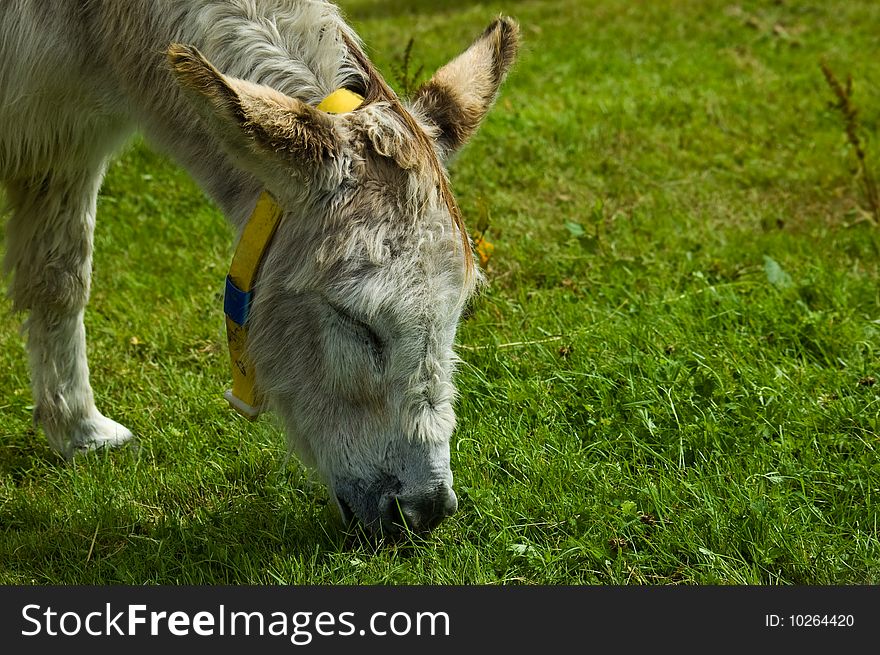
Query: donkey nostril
{"points": [[397, 513], [411, 516]]}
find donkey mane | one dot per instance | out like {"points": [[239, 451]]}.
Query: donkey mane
{"points": [[378, 90]]}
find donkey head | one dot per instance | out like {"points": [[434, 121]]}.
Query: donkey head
{"points": [[357, 301]]}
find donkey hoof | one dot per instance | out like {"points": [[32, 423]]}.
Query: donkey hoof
{"points": [[100, 433]]}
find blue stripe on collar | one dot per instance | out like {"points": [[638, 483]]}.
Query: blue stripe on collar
{"points": [[237, 303]]}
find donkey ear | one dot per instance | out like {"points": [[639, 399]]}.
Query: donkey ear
{"points": [[460, 94], [262, 119]]}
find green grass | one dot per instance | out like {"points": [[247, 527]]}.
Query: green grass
{"points": [[667, 380]]}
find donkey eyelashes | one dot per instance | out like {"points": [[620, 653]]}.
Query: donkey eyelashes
{"points": [[361, 329]]}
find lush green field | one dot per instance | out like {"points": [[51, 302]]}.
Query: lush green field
{"points": [[669, 379]]}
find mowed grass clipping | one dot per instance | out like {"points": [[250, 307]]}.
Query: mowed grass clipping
{"points": [[670, 377]]}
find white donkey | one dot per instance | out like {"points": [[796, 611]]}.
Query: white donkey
{"points": [[342, 319]]}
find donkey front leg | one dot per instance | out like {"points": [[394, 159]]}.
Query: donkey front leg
{"points": [[49, 252]]}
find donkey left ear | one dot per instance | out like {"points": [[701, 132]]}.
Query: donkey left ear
{"points": [[460, 94], [253, 119]]}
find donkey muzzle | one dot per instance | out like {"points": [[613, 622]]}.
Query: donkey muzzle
{"points": [[391, 509], [417, 512]]}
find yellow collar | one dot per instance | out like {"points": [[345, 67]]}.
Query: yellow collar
{"points": [[255, 238]]}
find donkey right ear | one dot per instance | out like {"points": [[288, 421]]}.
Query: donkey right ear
{"points": [[253, 119], [460, 94]]}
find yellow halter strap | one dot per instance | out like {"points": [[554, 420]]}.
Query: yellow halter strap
{"points": [[255, 239]]}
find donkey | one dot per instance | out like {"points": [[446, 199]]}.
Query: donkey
{"points": [[357, 293]]}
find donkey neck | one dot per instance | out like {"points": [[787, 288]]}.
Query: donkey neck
{"points": [[300, 48]]}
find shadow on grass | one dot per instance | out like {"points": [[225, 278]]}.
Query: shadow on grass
{"points": [[21, 455], [120, 527], [232, 545]]}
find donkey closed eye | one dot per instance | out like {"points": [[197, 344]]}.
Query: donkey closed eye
{"points": [[362, 331]]}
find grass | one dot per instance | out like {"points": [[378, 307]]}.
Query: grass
{"points": [[670, 378]]}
